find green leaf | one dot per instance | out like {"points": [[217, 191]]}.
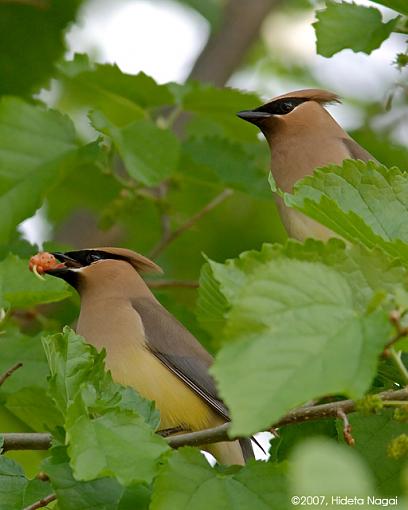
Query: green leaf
{"points": [[35, 408], [118, 443], [204, 98], [37, 150], [22, 289], [30, 136], [101, 494], [347, 25], [187, 481], [398, 5], [150, 153], [367, 271], [38, 28], [135, 497], [121, 97], [291, 435], [109, 432], [372, 435], [16, 491], [324, 468], [363, 202], [219, 159], [294, 320], [12, 484], [215, 111], [16, 347], [211, 303]]}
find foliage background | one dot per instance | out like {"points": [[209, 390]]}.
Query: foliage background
{"points": [[121, 159]]}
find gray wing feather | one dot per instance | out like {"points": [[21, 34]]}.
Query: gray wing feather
{"points": [[356, 151], [179, 350]]}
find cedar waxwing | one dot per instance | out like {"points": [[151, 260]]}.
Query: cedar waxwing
{"points": [[302, 136], [146, 347]]}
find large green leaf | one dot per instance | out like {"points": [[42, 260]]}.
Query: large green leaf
{"points": [[214, 111], [297, 332], [121, 97], [16, 491], [30, 136], [367, 271], [215, 159], [109, 433], [295, 312], [37, 150], [101, 494], [347, 25], [187, 481], [363, 202], [21, 289], [31, 40], [398, 5], [373, 435], [34, 407], [150, 153], [15, 348], [322, 468]]}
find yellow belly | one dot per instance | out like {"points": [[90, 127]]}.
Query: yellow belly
{"points": [[177, 403]]}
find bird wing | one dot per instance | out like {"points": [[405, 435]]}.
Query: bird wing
{"points": [[179, 350], [356, 151]]}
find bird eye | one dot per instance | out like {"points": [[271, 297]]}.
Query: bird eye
{"points": [[92, 257], [286, 106]]}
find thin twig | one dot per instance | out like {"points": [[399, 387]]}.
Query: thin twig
{"points": [[346, 427], [8, 372], [42, 502], [395, 319], [165, 241], [163, 284], [42, 441]]}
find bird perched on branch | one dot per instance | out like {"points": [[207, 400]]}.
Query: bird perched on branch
{"points": [[146, 347], [302, 136]]}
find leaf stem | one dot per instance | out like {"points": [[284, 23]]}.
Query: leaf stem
{"points": [[9, 372], [396, 358]]}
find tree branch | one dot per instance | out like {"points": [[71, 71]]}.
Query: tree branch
{"points": [[165, 241], [42, 502], [8, 372], [227, 46], [26, 441], [42, 441]]}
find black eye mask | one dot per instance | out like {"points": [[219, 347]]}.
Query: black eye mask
{"points": [[87, 257], [281, 106]]}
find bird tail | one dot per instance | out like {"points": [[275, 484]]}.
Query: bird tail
{"points": [[247, 450], [231, 452]]}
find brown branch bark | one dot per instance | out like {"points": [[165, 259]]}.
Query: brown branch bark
{"points": [[26, 441], [42, 441], [227, 47], [8, 372], [42, 502]]}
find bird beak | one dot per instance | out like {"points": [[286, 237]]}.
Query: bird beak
{"points": [[253, 116], [68, 262]]}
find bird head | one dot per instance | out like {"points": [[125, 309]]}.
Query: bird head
{"points": [[100, 262], [301, 109]]}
